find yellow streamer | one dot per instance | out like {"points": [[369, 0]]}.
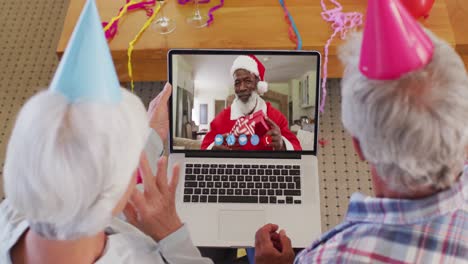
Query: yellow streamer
{"points": [[121, 13], [137, 37]]}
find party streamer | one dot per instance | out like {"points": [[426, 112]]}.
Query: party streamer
{"points": [[111, 28], [341, 23], [132, 43], [210, 12], [292, 31], [183, 2]]}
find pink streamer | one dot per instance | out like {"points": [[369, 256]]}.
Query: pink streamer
{"points": [[212, 10], [183, 2], [341, 23], [110, 33]]}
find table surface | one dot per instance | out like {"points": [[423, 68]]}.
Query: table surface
{"points": [[458, 14], [239, 24]]}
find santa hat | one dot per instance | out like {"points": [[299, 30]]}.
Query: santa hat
{"points": [[394, 43], [253, 65]]}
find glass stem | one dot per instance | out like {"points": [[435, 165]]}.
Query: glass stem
{"points": [[161, 15], [197, 9]]}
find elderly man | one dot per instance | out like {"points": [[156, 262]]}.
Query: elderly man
{"points": [[71, 166], [248, 73], [413, 132]]}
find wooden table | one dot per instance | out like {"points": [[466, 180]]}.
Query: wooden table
{"points": [[458, 13], [240, 24]]}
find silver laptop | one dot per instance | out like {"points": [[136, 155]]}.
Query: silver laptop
{"points": [[244, 129]]}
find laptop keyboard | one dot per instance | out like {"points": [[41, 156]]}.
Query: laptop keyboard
{"points": [[242, 183]]}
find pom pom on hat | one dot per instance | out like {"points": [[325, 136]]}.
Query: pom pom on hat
{"points": [[253, 65], [262, 87]]}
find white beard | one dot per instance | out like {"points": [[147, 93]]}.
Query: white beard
{"points": [[249, 106]]}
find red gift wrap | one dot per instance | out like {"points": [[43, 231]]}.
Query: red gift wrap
{"points": [[251, 125]]}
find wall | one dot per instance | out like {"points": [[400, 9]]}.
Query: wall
{"points": [[298, 111], [182, 76], [312, 85], [207, 96], [282, 88]]}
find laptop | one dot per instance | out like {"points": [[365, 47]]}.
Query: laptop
{"points": [[248, 156]]}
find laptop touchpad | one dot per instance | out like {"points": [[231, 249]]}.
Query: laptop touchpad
{"points": [[240, 225]]}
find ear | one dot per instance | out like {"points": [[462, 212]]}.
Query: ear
{"points": [[357, 148]]}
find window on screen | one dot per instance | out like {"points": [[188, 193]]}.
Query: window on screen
{"points": [[203, 114]]}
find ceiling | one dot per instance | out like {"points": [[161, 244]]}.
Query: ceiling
{"points": [[213, 71]]}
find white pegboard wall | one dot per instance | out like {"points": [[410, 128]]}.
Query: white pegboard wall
{"points": [[29, 34], [147, 91], [340, 169]]}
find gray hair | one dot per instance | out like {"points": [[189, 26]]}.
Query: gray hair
{"points": [[414, 129], [68, 165]]}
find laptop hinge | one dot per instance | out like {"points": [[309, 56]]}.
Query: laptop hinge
{"points": [[246, 155]]}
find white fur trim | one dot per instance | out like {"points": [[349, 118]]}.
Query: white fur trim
{"points": [[246, 63], [262, 87]]}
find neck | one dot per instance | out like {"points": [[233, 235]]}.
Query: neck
{"points": [[382, 189], [253, 109], [82, 250]]}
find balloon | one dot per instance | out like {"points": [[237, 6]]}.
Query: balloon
{"points": [[418, 8]]}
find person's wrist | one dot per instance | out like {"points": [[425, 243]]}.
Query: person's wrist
{"points": [[169, 229], [162, 134]]}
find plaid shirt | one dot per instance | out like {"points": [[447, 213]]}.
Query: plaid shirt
{"points": [[376, 230]]}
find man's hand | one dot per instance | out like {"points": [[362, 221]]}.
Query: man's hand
{"points": [[277, 142], [154, 211], [271, 247], [159, 114]]}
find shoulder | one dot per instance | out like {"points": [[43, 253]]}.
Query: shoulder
{"points": [[368, 242], [13, 225], [221, 117], [226, 112], [340, 241]]}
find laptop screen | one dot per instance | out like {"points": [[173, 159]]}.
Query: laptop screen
{"points": [[255, 101]]}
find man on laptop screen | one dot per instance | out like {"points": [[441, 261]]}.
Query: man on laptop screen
{"points": [[250, 123]]}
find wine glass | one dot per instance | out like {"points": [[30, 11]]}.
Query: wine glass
{"points": [[163, 24], [197, 19]]}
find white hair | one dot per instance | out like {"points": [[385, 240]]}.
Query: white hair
{"points": [[414, 129], [248, 106], [68, 164]]}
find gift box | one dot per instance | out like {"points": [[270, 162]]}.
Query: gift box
{"points": [[253, 124]]}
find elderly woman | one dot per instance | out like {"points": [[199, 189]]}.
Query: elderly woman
{"points": [[68, 175], [71, 168], [413, 132]]}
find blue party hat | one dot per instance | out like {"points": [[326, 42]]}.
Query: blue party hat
{"points": [[86, 71]]}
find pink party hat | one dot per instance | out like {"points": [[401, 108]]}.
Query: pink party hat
{"points": [[394, 43]]}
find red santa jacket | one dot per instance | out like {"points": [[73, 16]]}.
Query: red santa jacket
{"points": [[222, 124]]}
